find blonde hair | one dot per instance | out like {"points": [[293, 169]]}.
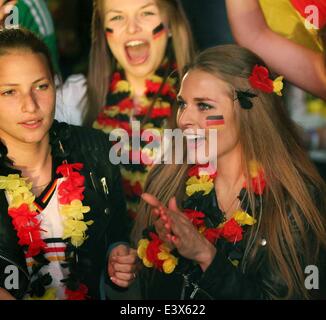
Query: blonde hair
{"points": [[102, 62], [269, 137]]}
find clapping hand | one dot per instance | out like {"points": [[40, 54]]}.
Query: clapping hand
{"points": [[176, 229]]}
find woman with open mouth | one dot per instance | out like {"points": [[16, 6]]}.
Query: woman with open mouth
{"points": [[138, 50], [251, 225]]}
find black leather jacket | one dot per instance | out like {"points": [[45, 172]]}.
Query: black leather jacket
{"points": [[108, 210], [222, 280]]}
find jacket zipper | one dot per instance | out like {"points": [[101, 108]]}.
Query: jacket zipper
{"points": [[184, 286], [15, 264]]}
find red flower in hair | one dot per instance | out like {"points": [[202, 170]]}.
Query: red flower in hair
{"points": [[259, 79]]}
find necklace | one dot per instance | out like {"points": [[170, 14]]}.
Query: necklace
{"points": [[152, 110], [208, 220], [23, 212]]}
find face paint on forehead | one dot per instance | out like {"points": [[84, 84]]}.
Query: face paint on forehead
{"points": [[215, 122], [159, 30]]}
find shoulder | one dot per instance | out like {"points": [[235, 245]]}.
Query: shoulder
{"points": [[80, 137], [71, 100]]}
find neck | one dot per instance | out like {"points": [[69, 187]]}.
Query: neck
{"points": [[230, 171], [138, 84], [32, 159]]}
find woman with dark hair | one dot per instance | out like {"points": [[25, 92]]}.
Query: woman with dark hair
{"points": [[251, 229], [63, 221]]}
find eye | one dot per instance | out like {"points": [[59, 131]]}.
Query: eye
{"points": [[204, 106], [8, 93], [181, 104], [116, 18], [43, 87], [147, 13]]}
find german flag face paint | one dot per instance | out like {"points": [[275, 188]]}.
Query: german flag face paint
{"points": [[215, 122], [159, 30]]}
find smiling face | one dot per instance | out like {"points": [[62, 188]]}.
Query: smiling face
{"points": [[205, 103], [136, 34], [27, 97]]}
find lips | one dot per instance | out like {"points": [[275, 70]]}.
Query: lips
{"points": [[137, 51], [31, 124], [195, 141]]}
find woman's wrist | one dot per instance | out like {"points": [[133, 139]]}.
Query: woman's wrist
{"points": [[206, 257]]}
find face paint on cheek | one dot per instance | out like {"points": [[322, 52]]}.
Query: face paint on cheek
{"points": [[108, 32], [215, 122], [159, 30]]}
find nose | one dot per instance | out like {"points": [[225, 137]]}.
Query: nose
{"points": [[187, 118], [133, 25], [30, 104]]}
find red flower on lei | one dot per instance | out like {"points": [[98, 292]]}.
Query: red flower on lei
{"points": [[28, 229], [79, 294]]}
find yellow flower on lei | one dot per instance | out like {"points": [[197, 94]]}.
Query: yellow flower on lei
{"points": [[141, 252], [170, 261], [243, 218], [50, 294], [75, 210], [194, 184], [18, 191]]}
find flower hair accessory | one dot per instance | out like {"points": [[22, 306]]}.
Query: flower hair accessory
{"points": [[260, 79]]}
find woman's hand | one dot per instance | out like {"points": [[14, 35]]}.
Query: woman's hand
{"points": [[122, 265], [161, 220], [174, 228], [186, 238], [5, 295], [5, 9]]}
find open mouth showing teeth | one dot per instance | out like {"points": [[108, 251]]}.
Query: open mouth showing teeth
{"points": [[194, 138], [137, 51]]}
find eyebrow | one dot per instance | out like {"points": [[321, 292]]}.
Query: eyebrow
{"points": [[204, 99], [198, 99], [17, 84], [119, 11]]}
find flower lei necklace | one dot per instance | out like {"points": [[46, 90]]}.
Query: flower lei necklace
{"points": [[156, 254], [23, 212], [121, 108]]}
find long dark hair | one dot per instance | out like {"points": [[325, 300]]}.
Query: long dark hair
{"points": [[21, 39]]}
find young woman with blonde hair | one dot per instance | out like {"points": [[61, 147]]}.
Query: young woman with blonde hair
{"points": [[138, 51], [250, 230]]}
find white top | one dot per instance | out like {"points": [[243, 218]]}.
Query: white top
{"points": [[71, 100], [52, 230]]}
